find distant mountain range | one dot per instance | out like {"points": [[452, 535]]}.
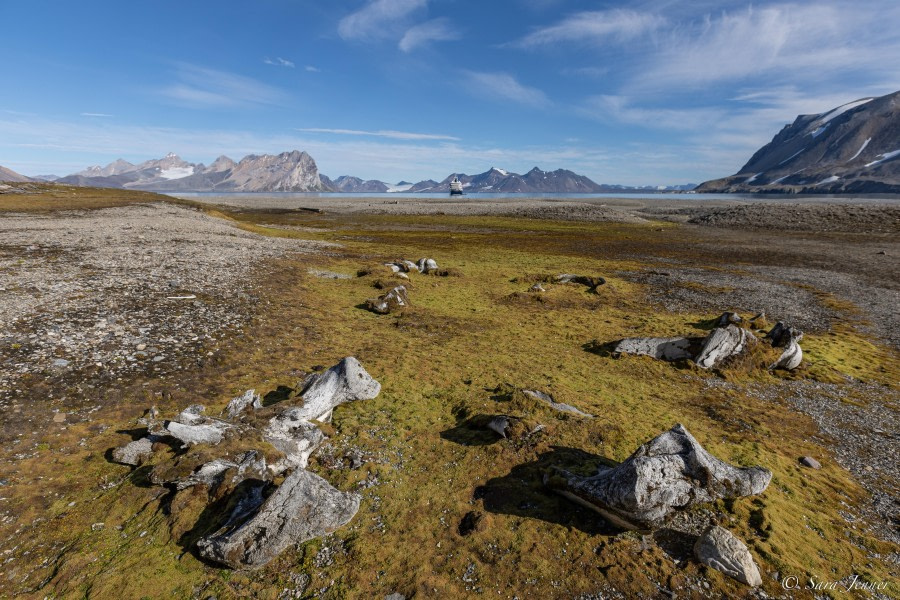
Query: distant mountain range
{"points": [[297, 172], [851, 149]]}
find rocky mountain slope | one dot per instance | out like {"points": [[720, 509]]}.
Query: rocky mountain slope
{"points": [[501, 181], [854, 148], [12, 176], [352, 185], [287, 172]]}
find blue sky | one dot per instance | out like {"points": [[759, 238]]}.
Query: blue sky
{"points": [[653, 92]]}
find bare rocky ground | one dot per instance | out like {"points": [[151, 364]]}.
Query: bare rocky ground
{"points": [[90, 297]]}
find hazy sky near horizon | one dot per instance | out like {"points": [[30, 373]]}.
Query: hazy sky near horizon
{"points": [[637, 93]]}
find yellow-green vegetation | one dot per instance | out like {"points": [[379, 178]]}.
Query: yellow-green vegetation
{"points": [[47, 197], [459, 354]]}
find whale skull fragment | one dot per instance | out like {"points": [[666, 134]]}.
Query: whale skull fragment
{"points": [[670, 472]]}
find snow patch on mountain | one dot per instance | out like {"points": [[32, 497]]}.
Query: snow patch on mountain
{"points": [[861, 148], [842, 109], [792, 156], [176, 172], [883, 157], [819, 131]]}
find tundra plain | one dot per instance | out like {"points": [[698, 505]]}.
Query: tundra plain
{"points": [[114, 302]]}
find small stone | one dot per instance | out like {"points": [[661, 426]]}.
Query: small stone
{"points": [[135, 452], [140, 347], [249, 399], [809, 461], [97, 526], [59, 417], [60, 363]]}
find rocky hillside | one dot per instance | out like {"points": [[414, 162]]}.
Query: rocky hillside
{"points": [[286, 172], [854, 148], [12, 176], [353, 185], [501, 181]]}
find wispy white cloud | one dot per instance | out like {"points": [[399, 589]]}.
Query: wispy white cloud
{"points": [[505, 87], [385, 133], [436, 30], [279, 62], [97, 115], [594, 27], [311, 69], [378, 19], [200, 87], [620, 109], [591, 72], [810, 43]]}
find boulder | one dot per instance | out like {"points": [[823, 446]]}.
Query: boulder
{"points": [[722, 343], [427, 265], [513, 428], [249, 399], [410, 266], [671, 348], [393, 300], [783, 336], [537, 288], [250, 464], [500, 425], [568, 408], [209, 474], [729, 318], [293, 435], [134, 453], [809, 461], [305, 506], [347, 381], [720, 549], [790, 359], [208, 433], [670, 472]]}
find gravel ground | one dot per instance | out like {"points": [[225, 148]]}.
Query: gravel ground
{"points": [[122, 289], [858, 425], [775, 214]]}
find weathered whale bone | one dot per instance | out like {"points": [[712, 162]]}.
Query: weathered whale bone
{"points": [[720, 549], [670, 472], [346, 381], [394, 299], [722, 343], [303, 507], [669, 348]]}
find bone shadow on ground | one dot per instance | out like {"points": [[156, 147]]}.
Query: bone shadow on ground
{"points": [[522, 492]]}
